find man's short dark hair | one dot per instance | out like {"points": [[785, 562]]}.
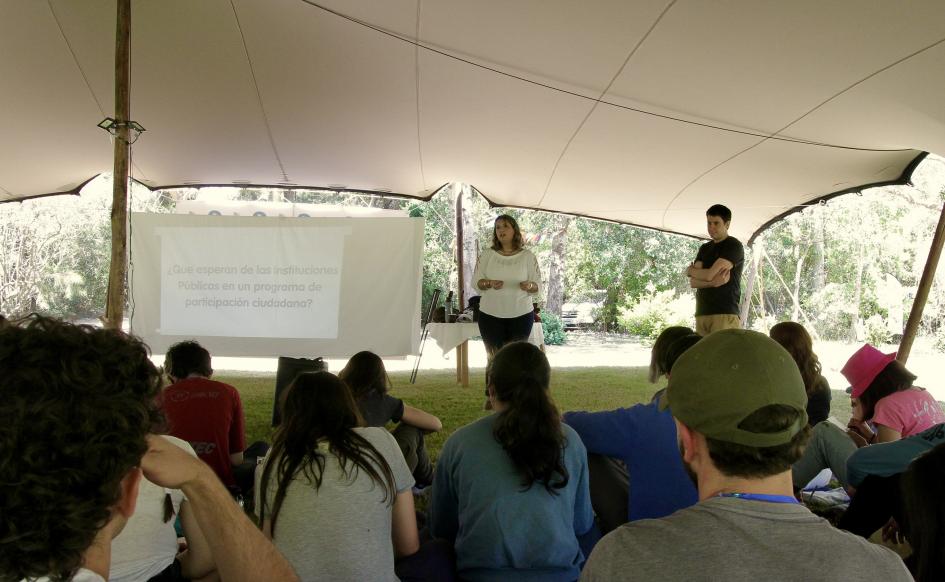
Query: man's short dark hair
{"points": [[734, 460], [721, 211], [186, 358], [77, 405]]}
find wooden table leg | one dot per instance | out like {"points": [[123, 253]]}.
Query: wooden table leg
{"points": [[466, 364], [462, 364]]}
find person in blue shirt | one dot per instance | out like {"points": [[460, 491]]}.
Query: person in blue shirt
{"points": [[510, 491], [633, 454]]}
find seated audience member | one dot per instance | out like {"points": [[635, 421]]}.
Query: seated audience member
{"points": [[147, 547], [739, 404], [795, 339], [925, 515], [368, 380], [882, 395], [78, 403], [510, 491], [874, 473], [658, 367], [207, 414], [335, 496], [635, 469]]}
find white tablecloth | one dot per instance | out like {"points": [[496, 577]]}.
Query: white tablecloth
{"points": [[449, 335]]}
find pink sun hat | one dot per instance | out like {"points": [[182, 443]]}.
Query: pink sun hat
{"points": [[863, 367]]}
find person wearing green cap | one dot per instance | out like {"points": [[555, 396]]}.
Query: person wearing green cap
{"points": [[739, 405]]}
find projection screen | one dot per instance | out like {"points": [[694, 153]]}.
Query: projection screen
{"points": [[258, 286]]}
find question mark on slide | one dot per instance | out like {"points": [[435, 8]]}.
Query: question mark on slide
{"points": [[310, 303]]}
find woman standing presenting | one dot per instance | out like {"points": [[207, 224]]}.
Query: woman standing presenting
{"points": [[507, 275]]}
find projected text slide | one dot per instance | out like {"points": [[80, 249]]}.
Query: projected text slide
{"points": [[251, 282]]}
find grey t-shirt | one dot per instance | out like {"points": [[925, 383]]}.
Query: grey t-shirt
{"points": [[737, 539], [342, 530]]}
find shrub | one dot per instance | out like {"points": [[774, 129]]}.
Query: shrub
{"points": [[552, 328], [654, 311]]}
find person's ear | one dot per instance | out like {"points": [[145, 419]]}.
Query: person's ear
{"points": [[129, 492], [686, 439], [490, 390]]}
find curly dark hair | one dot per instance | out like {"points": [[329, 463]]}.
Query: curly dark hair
{"points": [[77, 405]]}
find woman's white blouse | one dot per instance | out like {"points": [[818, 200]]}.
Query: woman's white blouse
{"points": [[510, 300]]}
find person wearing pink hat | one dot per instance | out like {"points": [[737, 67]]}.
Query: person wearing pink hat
{"points": [[886, 408]]}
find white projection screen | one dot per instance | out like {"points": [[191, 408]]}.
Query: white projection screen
{"points": [[257, 286]]}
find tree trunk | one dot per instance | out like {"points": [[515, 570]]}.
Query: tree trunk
{"points": [[470, 245], [820, 263], [554, 298], [857, 290], [745, 308], [798, 268]]}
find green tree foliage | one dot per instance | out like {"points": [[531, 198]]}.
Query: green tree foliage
{"points": [[56, 251], [854, 263], [624, 261]]}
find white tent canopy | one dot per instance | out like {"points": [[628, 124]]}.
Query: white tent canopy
{"points": [[643, 112]]}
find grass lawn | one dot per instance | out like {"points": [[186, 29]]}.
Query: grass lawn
{"points": [[438, 393]]}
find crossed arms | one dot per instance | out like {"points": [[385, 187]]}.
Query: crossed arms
{"points": [[716, 275]]}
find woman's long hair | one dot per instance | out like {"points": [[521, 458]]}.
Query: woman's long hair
{"points": [[530, 428], [517, 240], [925, 514], [319, 407], [365, 373], [794, 338]]}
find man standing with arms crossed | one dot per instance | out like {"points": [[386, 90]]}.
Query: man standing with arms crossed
{"points": [[716, 275]]}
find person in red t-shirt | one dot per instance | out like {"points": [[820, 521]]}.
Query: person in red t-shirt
{"points": [[206, 413]]}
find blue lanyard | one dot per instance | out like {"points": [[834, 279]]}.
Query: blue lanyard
{"points": [[761, 497]]}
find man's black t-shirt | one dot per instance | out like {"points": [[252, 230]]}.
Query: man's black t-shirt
{"points": [[724, 299]]}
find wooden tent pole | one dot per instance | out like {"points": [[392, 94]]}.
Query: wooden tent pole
{"points": [[922, 293], [115, 301]]}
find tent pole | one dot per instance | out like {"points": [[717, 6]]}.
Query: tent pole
{"points": [[922, 293], [115, 301]]}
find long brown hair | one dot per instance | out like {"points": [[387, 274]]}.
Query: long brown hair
{"points": [[365, 373], [530, 428], [794, 338], [517, 240], [318, 406]]}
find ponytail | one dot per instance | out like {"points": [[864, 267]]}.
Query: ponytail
{"points": [[529, 429]]}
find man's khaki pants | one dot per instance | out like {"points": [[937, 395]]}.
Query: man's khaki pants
{"points": [[706, 324]]}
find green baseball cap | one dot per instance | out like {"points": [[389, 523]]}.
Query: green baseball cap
{"points": [[729, 375]]}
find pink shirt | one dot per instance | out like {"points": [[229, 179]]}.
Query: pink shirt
{"points": [[908, 412]]}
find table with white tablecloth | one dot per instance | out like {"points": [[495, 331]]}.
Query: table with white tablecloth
{"points": [[449, 336]]}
